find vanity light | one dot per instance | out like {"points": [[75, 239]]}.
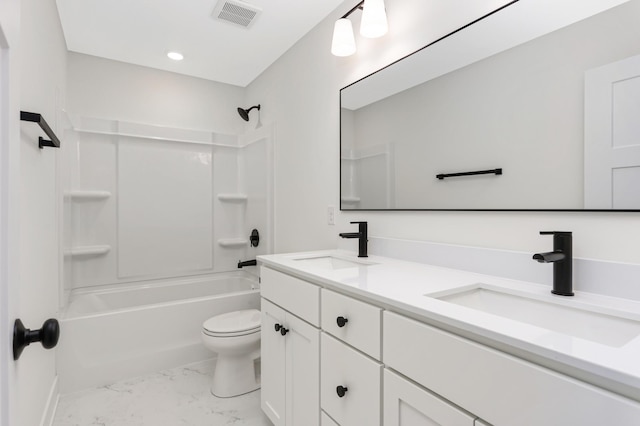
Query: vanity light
{"points": [[373, 24], [176, 56], [344, 43], [374, 19]]}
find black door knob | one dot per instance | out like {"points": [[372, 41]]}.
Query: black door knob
{"points": [[342, 321], [22, 337], [284, 331], [341, 391], [277, 327]]}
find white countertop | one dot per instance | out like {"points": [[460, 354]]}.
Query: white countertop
{"points": [[401, 287]]}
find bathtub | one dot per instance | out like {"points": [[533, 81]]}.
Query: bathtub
{"points": [[128, 330]]}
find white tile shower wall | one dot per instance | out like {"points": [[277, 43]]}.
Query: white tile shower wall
{"points": [[608, 278]]}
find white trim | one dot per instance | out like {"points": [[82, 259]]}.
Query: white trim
{"points": [[49, 413]]}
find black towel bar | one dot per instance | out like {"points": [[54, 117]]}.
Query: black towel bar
{"points": [[480, 172], [37, 118]]}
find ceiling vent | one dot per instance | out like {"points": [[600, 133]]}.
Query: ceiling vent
{"points": [[236, 12]]}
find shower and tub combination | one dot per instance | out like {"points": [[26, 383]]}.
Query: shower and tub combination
{"points": [[156, 220]]}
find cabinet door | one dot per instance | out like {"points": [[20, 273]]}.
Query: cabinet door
{"points": [[303, 373], [406, 404], [273, 359]]}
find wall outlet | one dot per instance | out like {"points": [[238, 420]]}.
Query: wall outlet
{"points": [[331, 215]]}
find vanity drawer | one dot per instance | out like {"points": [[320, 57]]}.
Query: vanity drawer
{"points": [[352, 321], [359, 374], [496, 386], [293, 294]]}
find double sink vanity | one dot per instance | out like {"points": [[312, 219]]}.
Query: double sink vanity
{"points": [[373, 341]]}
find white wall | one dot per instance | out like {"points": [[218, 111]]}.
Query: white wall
{"points": [[43, 68], [134, 95], [114, 90], [300, 93]]}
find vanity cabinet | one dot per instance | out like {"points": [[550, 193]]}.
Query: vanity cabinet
{"points": [[290, 352], [384, 368], [498, 387]]}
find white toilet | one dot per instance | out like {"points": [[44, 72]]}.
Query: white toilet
{"points": [[235, 336]]}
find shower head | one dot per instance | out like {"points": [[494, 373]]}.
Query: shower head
{"points": [[244, 113]]}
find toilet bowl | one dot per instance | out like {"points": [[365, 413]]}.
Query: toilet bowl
{"points": [[235, 337]]}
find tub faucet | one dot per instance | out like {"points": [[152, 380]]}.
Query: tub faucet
{"points": [[243, 263], [562, 259], [362, 237]]}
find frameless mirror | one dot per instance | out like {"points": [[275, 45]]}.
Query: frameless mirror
{"points": [[532, 107]]}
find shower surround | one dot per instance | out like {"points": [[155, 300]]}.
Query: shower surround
{"points": [[149, 206]]}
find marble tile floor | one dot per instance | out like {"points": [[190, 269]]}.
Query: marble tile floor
{"points": [[176, 397]]}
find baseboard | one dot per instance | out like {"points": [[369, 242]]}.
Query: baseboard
{"points": [[49, 412]]}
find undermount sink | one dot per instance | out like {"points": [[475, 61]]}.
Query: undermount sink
{"points": [[561, 316], [332, 262]]}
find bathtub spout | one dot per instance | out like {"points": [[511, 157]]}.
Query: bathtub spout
{"points": [[244, 263]]}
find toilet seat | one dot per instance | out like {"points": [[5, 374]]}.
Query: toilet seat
{"points": [[233, 324]]}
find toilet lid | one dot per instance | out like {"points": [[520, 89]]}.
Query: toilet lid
{"points": [[233, 322]]}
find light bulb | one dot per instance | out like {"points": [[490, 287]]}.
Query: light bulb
{"points": [[343, 43], [374, 19]]}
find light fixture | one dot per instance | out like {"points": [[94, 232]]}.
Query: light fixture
{"points": [[373, 24], [343, 44], [374, 19], [176, 56]]}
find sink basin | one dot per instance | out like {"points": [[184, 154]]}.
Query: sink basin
{"points": [[332, 262], [561, 316]]}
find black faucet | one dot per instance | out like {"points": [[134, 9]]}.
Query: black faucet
{"points": [[562, 259], [242, 264], [361, 235]]}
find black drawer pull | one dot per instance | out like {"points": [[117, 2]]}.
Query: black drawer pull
{"points": [[341, 391], [277, 327], [342, 321]]}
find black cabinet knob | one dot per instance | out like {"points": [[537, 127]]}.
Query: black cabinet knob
{"points": [[22, 337], [284, 331], [341, 391], [342, 321], [277, 327]]}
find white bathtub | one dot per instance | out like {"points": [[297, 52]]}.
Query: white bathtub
{"points": [[117, 333]]}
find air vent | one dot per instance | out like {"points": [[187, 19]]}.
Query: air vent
{"points": [[236, 12]]}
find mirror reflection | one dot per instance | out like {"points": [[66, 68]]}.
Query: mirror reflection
{"points": [[551, 102]]}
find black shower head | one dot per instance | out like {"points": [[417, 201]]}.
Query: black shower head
{"points": [[244, 113]]}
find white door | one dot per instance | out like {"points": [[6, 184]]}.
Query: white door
{"points": [[612, 136], [9, 172]]}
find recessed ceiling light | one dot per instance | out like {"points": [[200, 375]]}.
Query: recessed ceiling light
{"points": [[176, 56]]}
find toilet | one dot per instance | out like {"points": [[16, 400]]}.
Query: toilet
{"points": [[235, 337]]}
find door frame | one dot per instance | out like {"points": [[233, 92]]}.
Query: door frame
{"points": [[9, 202]]}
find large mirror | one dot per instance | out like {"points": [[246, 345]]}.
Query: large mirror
{"points": [[536, 106]]}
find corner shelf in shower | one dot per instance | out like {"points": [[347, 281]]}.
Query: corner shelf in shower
{"points": [[87, 195], [233, 198], [233, 242], [97, 250]]}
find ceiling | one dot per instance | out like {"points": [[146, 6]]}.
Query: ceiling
{"points": [[142, 32]]}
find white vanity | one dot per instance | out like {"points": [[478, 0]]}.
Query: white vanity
{"points": [[377, 341]]}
